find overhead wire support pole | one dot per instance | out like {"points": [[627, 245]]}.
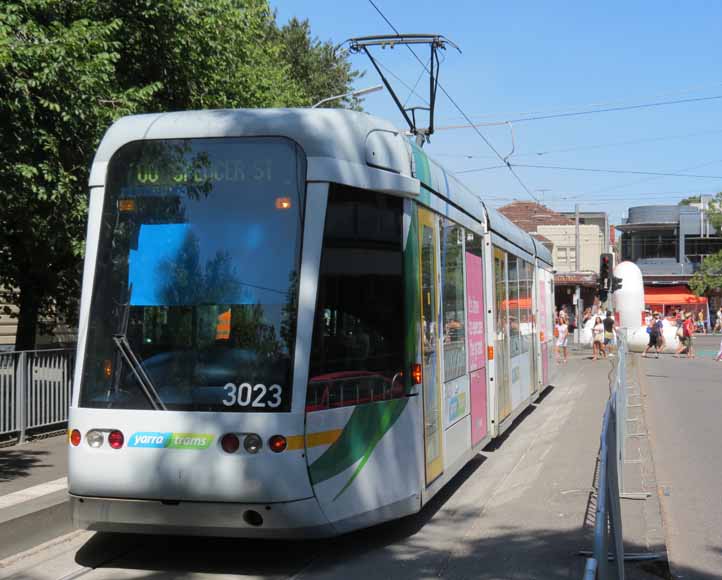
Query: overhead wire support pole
{"points": [[435, 42]]}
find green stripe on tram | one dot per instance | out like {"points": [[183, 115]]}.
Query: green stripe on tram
{"points": [[365, 428]]}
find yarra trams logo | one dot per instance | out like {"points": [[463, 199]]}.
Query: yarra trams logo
{"points": [[171, 440]]}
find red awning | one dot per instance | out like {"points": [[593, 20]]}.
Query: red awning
{"points": [[671, 296]]}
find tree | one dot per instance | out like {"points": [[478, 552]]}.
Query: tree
{"points": [[709, 276], [691, 199], [56, 91], [69, 69], [318, 67]]}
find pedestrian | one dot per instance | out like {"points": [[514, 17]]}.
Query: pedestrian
{"points": [[701, 326], [598, 338], [654, 329], [718, 321], [718, 358], [609, 332], [562, 337], [686, 338]]}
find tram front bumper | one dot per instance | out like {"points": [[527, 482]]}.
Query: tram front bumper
{"points": [[295, 519]]}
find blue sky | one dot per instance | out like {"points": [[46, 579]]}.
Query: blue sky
{"points": [[555, 57]]}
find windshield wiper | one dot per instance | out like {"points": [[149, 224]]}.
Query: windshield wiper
{"points": [[146, 384]]}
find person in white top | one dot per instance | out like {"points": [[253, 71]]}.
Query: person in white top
{"points": [[598, 338], [562, 336]]}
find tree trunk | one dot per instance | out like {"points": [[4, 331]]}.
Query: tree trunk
{"points": [[27, 317]]}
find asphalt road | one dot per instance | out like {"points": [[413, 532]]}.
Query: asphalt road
{"points": [[683, 409]]}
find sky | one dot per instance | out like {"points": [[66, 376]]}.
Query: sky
{"points": [[535, 59]]}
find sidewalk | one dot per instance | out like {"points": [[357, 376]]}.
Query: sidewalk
{"points": [[33, 493]]}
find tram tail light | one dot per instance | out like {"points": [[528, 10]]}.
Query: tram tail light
{"points": [[277, 443], [75, 437], [416, 373], [107, 368], [490, 353], [230, 443], [116, 439]]}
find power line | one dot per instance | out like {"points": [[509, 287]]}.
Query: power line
{"points": [[459, 109], [686, 90], [596, 170], [408, 86], [578, 113]]}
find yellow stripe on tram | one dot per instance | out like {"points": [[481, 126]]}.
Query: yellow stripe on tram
{"points": [[296, 442]]}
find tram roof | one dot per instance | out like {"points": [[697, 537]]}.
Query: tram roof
{"points": [[341, 146]]}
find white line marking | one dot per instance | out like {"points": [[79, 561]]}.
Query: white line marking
{"points": [[34, 492]]}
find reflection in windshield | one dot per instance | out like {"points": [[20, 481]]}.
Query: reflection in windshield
{"points": [[197, 267]]}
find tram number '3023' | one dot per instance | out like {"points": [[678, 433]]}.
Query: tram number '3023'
{"points": [[258, 396]]}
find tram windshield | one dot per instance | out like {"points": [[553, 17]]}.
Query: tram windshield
{"points": [[195, 293]]}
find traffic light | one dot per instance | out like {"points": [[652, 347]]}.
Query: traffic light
{"points": [[605, 272], [616, 283]]}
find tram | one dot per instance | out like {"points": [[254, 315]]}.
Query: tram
{"points": [[293, 323]]}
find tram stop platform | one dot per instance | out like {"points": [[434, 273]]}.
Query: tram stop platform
{"points": [[523, 509]]}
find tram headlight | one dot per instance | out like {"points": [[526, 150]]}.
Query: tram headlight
{"points": [[94, 438], [252, 443]]}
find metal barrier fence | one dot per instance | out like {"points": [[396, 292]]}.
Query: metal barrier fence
{"points": [[608, 517], [35, 389]]}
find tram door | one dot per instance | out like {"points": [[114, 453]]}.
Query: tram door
{"points": [[430, 320], [501, 332]]}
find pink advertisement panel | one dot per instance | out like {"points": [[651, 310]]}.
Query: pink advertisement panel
{"points": [[477, 346], [543, 326], [478, 405], [475, 312]]}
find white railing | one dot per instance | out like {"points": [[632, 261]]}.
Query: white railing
{"points": [[35, 388]]}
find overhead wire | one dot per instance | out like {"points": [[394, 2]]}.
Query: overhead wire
{"points": [[459, 109], [574, 148], [686, 90], [471, 125]]}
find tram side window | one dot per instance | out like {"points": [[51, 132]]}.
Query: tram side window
{"points": [[357, 347], [525, 303], [453, 300], [513, 264]]}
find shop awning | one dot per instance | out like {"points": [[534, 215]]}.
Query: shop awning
{"points": [[671, 296]]}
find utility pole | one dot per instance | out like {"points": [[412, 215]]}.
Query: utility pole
{"points": [[577, 267]]}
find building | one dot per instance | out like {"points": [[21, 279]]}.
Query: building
{"points": [[575, 280], [668, 243]]}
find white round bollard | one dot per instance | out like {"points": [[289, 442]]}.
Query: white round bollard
{"points": [[629, 304]]}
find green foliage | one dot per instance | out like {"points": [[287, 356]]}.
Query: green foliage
{"points": [[56, 81], [317, 66], [69, 68], [715, 213], [709, 276], [691, 199]]}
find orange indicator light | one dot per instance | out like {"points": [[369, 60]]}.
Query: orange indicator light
{"points": [[126, 205], [416, 374], [107, 368], [490, 353], [283, 203], [541, 336]]}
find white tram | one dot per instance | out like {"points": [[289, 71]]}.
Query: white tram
{"points": [[293, 324]]}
